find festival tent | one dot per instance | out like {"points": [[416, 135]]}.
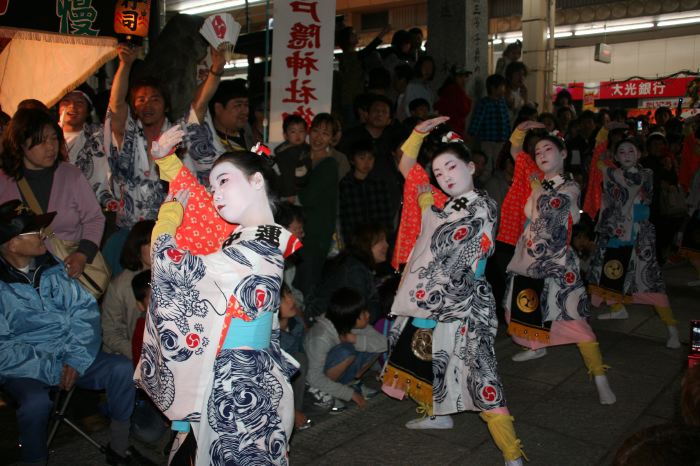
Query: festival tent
{"points": [[45, 66]]}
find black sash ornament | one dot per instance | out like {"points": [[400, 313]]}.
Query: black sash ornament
{"points": [[615, 266], [526, 317]]}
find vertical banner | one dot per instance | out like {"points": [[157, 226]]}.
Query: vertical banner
{"points": [[302, 61], [477, 45]]}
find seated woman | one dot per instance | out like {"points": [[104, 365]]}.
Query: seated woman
{"points": [[353, 268], [546, 302], [211, 354], [32, 170], [341, 347], [624, 268], [120, 310], [443, 356]]}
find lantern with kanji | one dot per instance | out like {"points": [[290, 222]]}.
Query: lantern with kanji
{"points": [[131, 18]]}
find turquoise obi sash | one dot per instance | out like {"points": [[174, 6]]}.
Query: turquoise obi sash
{"points": [[480, 268], [423, 323], [640, 212], [254, 334], [615, 242]]}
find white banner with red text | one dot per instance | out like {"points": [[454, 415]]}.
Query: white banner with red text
{"points": [[302, 61]]}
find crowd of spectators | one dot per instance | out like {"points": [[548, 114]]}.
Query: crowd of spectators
{"points": [[341, 184]]}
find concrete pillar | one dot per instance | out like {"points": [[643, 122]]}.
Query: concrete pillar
{"points": [[458, 35], [535, 22]]}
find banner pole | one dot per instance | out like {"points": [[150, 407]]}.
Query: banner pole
{"points": [[266, 99]]}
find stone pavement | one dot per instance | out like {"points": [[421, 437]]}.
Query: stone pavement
{"points": [[555, 404]]}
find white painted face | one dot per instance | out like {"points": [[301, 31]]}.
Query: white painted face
{"points": [[627, 154], [549, 158], [453, 174], [234, 194]]}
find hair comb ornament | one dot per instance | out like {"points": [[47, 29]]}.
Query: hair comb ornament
{"points": [[557, 134], [451, 136], [261, 149]]}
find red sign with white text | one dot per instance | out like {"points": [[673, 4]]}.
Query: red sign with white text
{"points": [[632, 89]]}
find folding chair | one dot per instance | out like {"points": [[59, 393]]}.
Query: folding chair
{"points": [[60, 405]]}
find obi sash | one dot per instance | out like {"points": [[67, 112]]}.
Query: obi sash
{"points": [[254, 334], [526, 317]]}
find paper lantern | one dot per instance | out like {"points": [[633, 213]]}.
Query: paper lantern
{"points": [[131, 18]]}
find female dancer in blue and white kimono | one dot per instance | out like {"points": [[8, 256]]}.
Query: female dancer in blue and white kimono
{"points": [[624, 268], [546, 302], [451, 368], [211, 356]]}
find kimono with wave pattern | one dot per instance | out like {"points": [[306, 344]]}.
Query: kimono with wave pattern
{"points": [[239, 402]]}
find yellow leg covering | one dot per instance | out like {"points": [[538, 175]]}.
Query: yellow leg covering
{"points": [[590, 352], [503, 434], [666, 315], [617, 307]]}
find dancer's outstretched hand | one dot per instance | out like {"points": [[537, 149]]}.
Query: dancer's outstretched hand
{"points": [[181, 196], [528, 125], [427, 126], [616, 125], [167, 142]]}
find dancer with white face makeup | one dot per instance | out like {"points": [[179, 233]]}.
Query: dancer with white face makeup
{"points": [[211, 359], [546, 302], [624, 268], [443, 340]]}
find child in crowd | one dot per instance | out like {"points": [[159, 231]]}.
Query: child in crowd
{"points": [[120, 311], [341, 347], [141, 285], [292, 341], [546, 301], [291, 217], [356, 267], [291, 167], [419, 108], [624, 268], [363, 196], [147, 422]]}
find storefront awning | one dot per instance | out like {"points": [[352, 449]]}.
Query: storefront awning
{"points": [[45, 66]]}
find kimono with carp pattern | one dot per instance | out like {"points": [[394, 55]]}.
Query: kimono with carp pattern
{"points": [[624, 220], [544, 253], [444, 281]]}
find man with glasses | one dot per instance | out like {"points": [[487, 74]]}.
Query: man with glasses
{"points": [[50, 338]]}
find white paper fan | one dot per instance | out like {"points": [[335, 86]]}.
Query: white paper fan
{"points": [[221, 31]]}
